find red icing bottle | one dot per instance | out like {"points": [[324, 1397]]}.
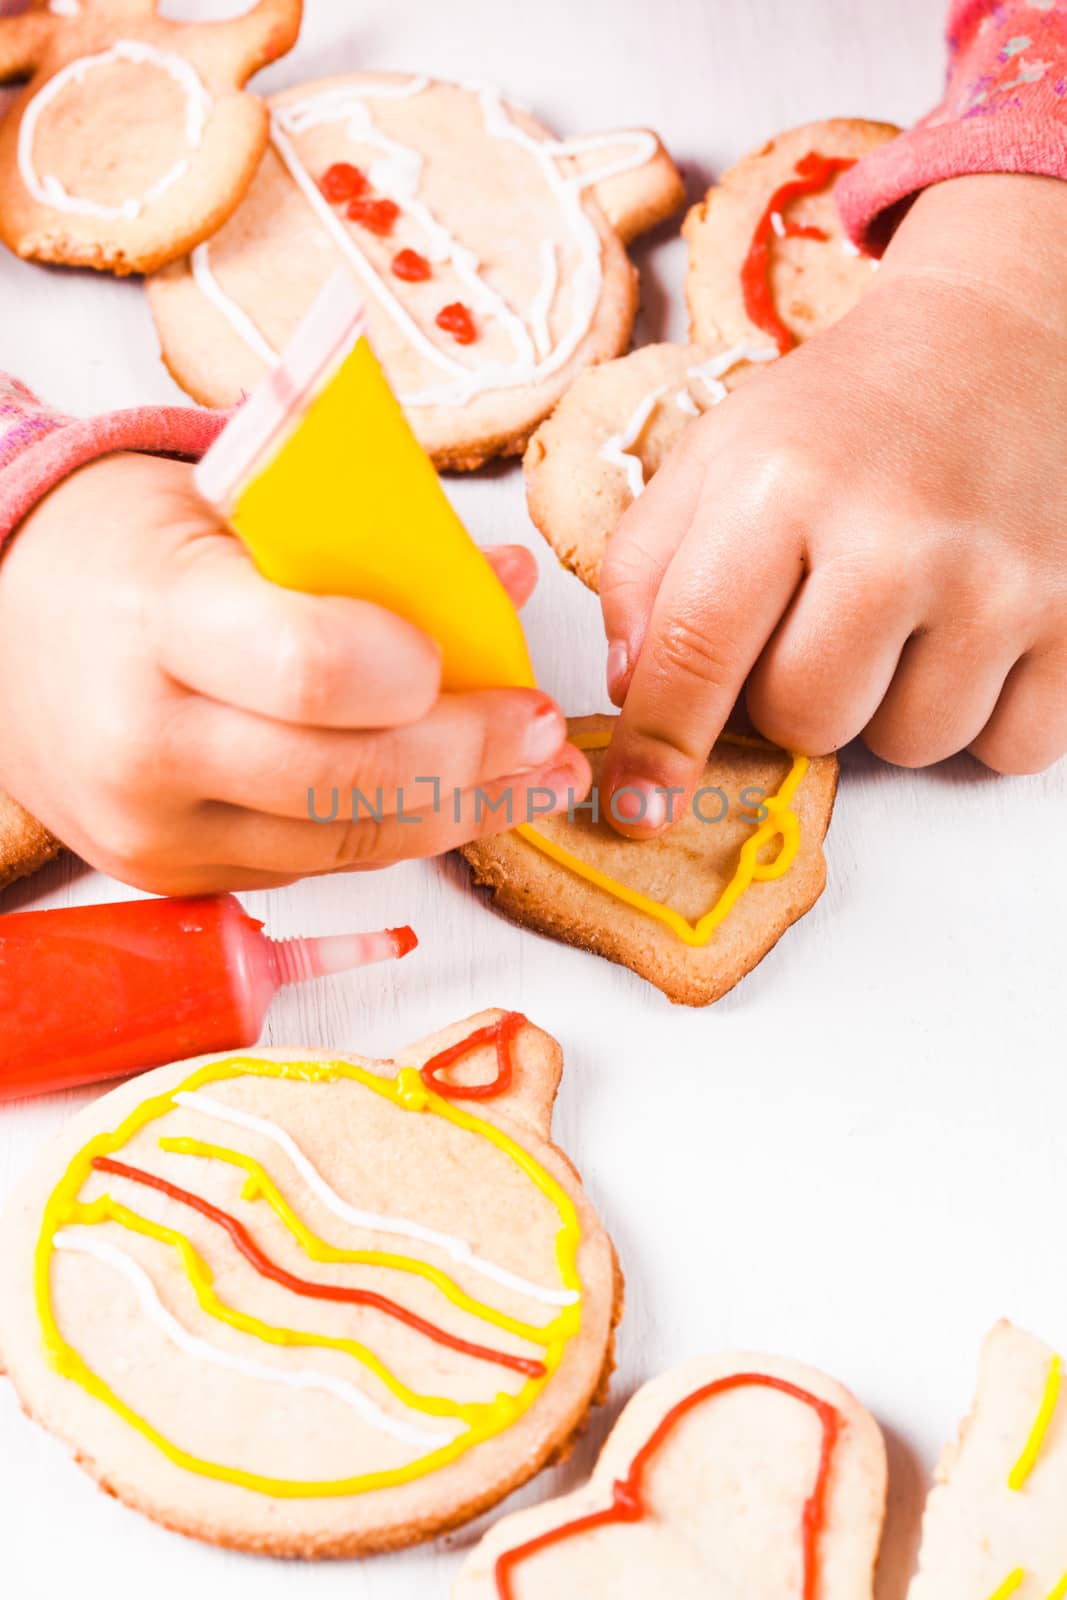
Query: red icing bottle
{"points": [[102, 991]]}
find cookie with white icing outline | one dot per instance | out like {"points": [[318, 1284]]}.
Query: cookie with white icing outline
{"points": [[769, 260], [25, 845], [694, 910], [492, 255], [133, 140], [737, 1477], [313, 1305], [995, 1525], [613, 429]]}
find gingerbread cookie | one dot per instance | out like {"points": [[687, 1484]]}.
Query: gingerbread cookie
{"points": [[769, 260], [734, 1476], [995, 1524], [695, 910], [24, 844], [491, 255], [310, 1305], [612, 430], [132, 141]]}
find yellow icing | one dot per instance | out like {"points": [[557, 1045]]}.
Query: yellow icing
{"points": [[1042, 1423], [780, 823], [1009, 1586], [259, 1186], [409, 1093]]}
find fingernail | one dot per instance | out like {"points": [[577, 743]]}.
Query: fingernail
{"points": [[639, 804], [618, 670], [544, 736]]}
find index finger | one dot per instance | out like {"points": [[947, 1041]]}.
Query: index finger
{"points": [[720, 600]]}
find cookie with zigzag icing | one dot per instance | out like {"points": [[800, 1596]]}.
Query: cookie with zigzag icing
{"points": [[313, 1305]]}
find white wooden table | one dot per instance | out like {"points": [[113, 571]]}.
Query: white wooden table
{"points": [[875, 1172]]}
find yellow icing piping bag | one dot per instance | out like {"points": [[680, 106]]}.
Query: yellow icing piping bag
{"points": [[321, 476]]}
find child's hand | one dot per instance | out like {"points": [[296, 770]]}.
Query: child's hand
{"points": [[166, 710], [873, 533]]}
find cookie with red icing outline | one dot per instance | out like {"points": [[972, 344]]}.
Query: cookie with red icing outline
{"points": [[739, 1477], [314, 1305], [133, 139], [492, 256], [769, 260]]}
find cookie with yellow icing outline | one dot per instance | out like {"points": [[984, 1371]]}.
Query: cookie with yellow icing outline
{"points": [[732, 1476], [312, 1305], [694, 910], [994, 1525], [492, 256], [769, 260], [24, 844], [613, 429], [133, 139]]}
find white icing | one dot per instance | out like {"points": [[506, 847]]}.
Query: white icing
{"points": [[50, 191], [238, 318], [619, 451], [79, 1243], [397, 175], [64, 8], [778, 224], [458, 1249]]}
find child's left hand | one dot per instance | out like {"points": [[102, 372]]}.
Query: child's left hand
{"points": [[873, 533]]}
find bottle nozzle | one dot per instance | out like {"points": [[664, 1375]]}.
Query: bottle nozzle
{"points": [[300, 960]]}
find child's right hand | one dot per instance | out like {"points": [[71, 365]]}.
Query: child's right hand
{"points": [[166, 710]]}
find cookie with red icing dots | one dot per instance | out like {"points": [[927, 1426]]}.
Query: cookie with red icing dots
{"points": [[491, 255], [769, 261], [736, 1477], [314, 1305], [133, 139]]}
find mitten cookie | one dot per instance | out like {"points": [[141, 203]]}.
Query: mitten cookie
{"points": [[694, 910], [24, 844], [132, 140], [995, 1525], [492, 255], [612, 430], [769, 260], [732, 1478], [309, 1305]]}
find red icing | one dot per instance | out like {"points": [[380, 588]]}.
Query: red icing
{"points": [[267, 1268], [457, 320], [501, 1033], [377, 216], [343, 181], [814, 172], [627, 1494], [412, 267], [405, 940]]}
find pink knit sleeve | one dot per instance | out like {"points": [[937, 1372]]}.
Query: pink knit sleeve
{"points": [[1005, 110], [39, 447]]}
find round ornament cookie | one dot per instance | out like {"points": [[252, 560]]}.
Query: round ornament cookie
{"points": [[24, 844], [734, 1477], [492, 255], [613, 429], [694, 910], [769, 260], [133, 140], [311, 1305]]}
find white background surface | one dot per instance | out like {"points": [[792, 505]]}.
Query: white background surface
{"points": [[856, 1157]]}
